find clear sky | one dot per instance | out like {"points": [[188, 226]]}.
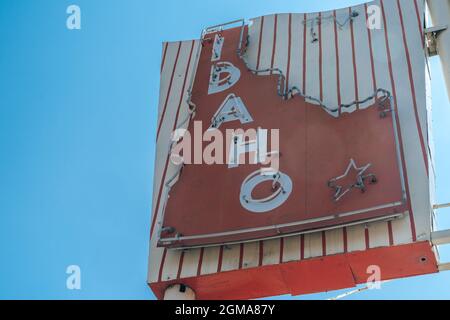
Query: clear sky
{"points": [[77, 129]]}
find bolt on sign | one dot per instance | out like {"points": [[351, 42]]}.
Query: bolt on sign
{"points": [[292, 153]]}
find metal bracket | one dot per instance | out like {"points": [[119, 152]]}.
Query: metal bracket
{"points": [[431, 35], [221, 27], [440, 237], [384, 105], [166, 230]]}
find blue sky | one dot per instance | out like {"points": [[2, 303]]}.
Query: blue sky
{"points": [[77, 128]]}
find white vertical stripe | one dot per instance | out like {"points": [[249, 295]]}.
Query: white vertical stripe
{"points": [[383, 80], [291, 250], [422, 9], [175, 92], [428, 101], [356, 239], [296, 69], [252, 49], [418, 181], [313, 245], [378, 234], [401, 230], [155, 258], [312, 57], [267, 43], [346, 77], [282, 43], [164, 87], [210, 260], [162, 152], [334, 241], [380, 58], [329, 70], [271, 252], [171, 264], [162, 147], [169, 64], [417, 56], [190, 263], [230, 257], [362, 57], [250, 258]]}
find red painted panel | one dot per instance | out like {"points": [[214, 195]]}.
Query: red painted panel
{"points": [[331, 274], [314, 146], [312, 275], [414, 259]]}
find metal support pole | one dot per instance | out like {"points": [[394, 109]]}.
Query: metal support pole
{"points": [[440, 237], [440, 16], [444, 266], [441, 206]]}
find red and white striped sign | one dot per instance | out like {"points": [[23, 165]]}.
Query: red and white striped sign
{"points": [[357, 113]]}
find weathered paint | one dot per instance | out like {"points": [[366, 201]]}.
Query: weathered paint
{"points": [[211, 190], [391, 58]]}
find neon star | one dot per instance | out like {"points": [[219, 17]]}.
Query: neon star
{"points": [[340, 190]]}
